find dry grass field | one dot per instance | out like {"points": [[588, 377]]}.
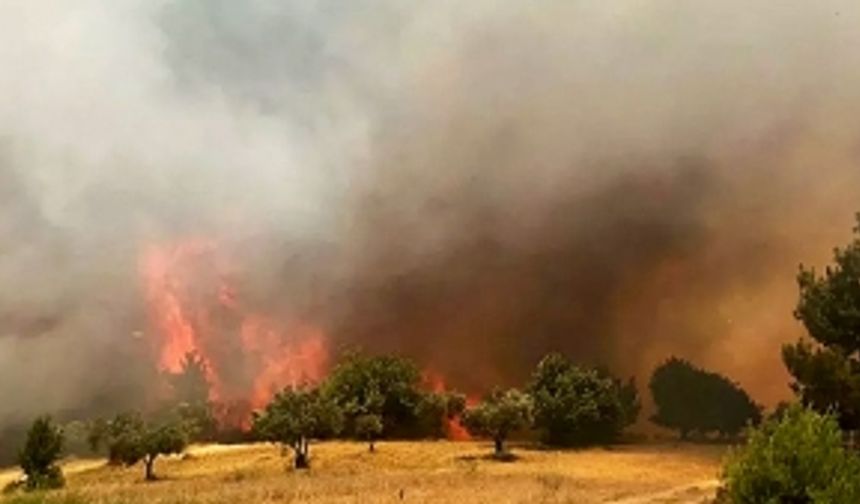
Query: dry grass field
{"points": [[419, 472]]}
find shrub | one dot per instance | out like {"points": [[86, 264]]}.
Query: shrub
{"points": [[795, 458], [42, 450]]}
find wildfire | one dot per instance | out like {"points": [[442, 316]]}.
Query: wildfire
{"points": [[194, 307], [436, 382]]}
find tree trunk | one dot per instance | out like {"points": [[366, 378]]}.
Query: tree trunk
{"points": [[301, 450], [499, 445], [149, 462], [372, 446]]}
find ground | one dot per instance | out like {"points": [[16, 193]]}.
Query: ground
{"points": [[419, 472]]}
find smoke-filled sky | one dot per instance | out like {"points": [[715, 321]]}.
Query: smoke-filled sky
{"points": [[470, 183]]}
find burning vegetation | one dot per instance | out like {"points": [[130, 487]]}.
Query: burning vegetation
{"points": [[196, 308]]}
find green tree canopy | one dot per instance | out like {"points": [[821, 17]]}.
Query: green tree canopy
{"points": [[827, 374], [295, 417], [574, 405], [390, 388], [692, 400], [42, 450], [130, 439], [498, 415]]}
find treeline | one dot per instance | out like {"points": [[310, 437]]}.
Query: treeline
{"points": [[372, 398]]}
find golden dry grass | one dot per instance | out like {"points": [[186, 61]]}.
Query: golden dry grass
{"points": [[416, 472]]}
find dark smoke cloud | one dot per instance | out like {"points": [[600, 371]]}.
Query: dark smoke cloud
{"points": [[473, 185]]}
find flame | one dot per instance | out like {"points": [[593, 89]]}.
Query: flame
{"points": [[436, 383], [194, 307]]}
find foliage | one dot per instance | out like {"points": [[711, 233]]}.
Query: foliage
{"points": [[130, 439], [797, 458], [498, 415], [386, 386], [573, 405], [692, 400], [389, 387], [628, 395], [42, 450], [434, 412], [190, 393], [368, 427], [295, 417], [827, 375]]}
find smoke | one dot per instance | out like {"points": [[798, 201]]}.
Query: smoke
{"points": [[470, 184]]}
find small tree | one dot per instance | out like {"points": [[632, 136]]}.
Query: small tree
{"points": [[190, 397], [575, 406], [295, 417], [369, 427], [42, 450], [795, 458], [499, 414], [130, 439]]}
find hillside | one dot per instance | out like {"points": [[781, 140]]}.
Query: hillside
{"points": [[449, 472]]}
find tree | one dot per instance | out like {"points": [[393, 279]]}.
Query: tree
{"points": [[498, 415], [795, 458], [827, 374], [628, 395], [42, 450], [190, 384], [573, 405], [436, 411], [295, 417], [190, 396], [692, 400], [130, 439], [369, 427], [389, 387]]}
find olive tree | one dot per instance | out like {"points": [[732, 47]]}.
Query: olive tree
{"points": [[295, 417], [498, 415]]}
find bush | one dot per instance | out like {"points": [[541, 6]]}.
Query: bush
{"points": [[576, 406], [795, 458], [42, 450]]}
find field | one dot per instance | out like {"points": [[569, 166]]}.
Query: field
{"points": [[418, 472]]}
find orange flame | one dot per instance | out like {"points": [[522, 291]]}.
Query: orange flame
{"points": [[436, 383], [194, 308]]}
